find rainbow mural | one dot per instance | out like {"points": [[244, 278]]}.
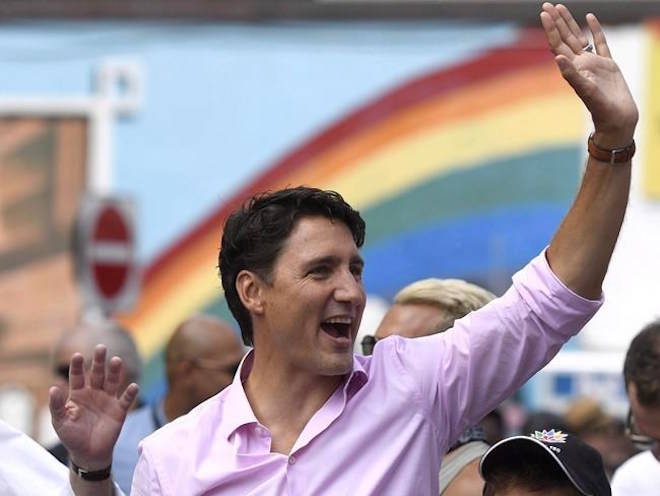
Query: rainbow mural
{"points": [[463, 172], [651, 159]]}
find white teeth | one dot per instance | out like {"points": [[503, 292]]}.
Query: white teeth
{"points": [[339, 320]]}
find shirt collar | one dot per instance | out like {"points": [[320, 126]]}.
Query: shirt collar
{"points": [[357, 379], [238, 407]]}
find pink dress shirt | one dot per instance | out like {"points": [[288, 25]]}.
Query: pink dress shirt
{"points": [[383, 431]]}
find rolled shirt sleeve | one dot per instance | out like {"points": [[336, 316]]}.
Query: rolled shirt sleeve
{"points": [[464, 373]]}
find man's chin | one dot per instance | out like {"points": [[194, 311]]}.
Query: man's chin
{"points": [[337, 365]]}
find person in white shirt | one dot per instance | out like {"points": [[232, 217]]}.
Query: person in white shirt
{"points": [[27, 468], [640, 476]]}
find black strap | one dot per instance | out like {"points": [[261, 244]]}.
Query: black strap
{"points": [[91, 475]]}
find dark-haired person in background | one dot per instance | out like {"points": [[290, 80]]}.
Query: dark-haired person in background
{"points": [[640, 476], [293, 420]]}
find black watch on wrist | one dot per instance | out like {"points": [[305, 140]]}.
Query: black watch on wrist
{"points": [[91, 475]]}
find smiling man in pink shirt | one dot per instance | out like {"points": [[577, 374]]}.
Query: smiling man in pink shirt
{"points": [[304, 416]]}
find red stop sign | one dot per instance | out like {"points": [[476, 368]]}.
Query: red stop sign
{"points": [[110, 252]]}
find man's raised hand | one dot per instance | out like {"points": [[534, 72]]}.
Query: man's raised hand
{"points": [[594, 76], [89, 419]]}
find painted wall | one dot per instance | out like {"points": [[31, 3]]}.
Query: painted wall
{"points": [[226, 103]]}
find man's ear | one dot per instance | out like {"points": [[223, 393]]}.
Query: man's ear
{"points": [[249, 287]]}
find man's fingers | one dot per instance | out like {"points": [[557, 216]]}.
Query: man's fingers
{"points": [[572, 25], [128, 396], [76, 372], [566, 68], [557, 46], [571, 42], [97, 376], [600, 43], [56, 402], [114, 372]]}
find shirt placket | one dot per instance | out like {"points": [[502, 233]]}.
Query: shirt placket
{"points": [[332, 409]]}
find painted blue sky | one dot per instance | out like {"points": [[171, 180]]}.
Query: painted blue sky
{"points": [[223, 102]]}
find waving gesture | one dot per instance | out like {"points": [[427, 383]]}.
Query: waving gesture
{"points": [[89, 420], [592, 73]]}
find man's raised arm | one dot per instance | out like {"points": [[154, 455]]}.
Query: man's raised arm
{"points": [[582, 247], [89, 419]]}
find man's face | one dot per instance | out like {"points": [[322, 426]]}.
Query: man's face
{"points": [[412, 320], [646, 420], [314, 301]]}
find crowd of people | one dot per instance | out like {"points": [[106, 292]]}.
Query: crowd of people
{"points": [[300, 413]]}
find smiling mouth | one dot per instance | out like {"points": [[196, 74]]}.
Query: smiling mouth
{"points": [[337, 328]]}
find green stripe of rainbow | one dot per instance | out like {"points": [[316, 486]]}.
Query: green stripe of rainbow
{"points": [[508, 102]]}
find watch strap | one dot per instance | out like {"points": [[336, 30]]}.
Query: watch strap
{"points": [[615, 156], [91, 475]]}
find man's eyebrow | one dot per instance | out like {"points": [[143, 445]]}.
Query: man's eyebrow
{"points": [[328, 259], [333, 260], [357, 259]]}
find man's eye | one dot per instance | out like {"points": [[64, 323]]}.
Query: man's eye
{"points": [[320, 271], [357, 271]]}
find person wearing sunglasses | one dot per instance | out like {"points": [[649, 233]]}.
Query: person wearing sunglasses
{"points": [[640, 475], [139, 421], [201, 358], [428, 306], [431, 306]]}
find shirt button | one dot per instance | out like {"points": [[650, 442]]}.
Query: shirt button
{"points": [[292, 460]]}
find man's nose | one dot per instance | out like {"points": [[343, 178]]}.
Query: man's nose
{"points": [[350, 289]]}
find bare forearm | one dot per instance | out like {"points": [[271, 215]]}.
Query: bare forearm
{"points": [[582, 247]]}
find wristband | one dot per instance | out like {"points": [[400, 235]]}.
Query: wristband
{"points": [[616, 156], [91, 475]]}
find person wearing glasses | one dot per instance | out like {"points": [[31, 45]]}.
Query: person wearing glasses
{"points": [[426, 307], [431, 306], [201, 358], [304, 415], [139, 421], [640, 475]]}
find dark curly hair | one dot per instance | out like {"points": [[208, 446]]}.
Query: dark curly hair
{"points": [[642, 365], [255, 233]]}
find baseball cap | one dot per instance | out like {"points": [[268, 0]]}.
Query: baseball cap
{"points": [[580, 462]]}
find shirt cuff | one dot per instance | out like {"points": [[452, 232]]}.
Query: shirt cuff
{"points": [[549, 298]]}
